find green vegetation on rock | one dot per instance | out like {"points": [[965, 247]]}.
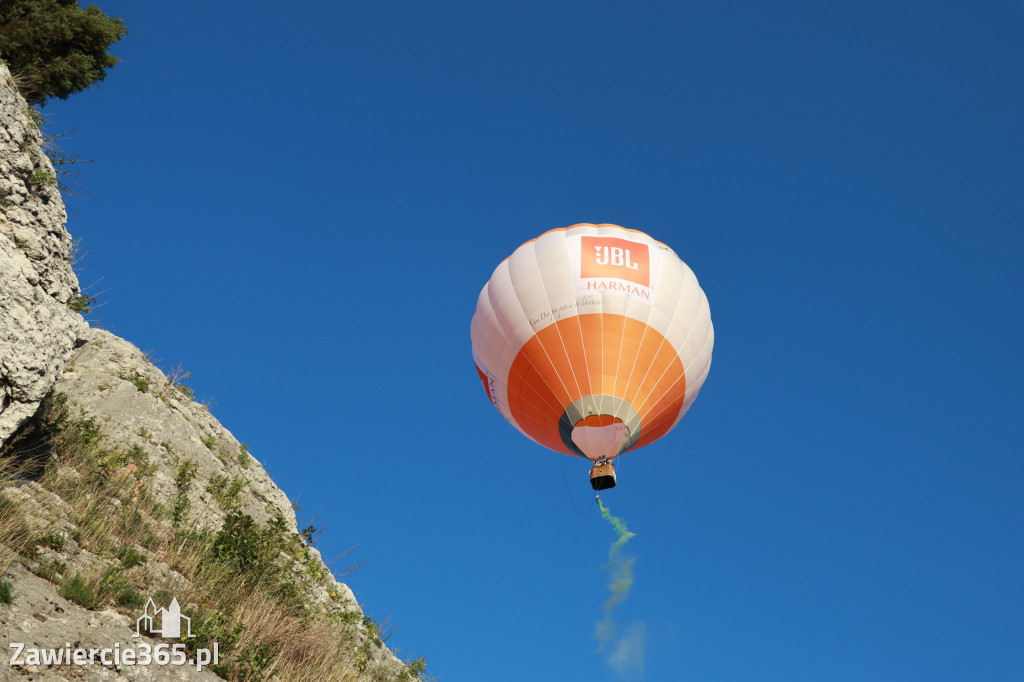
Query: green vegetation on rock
{"points": [[250, 587]]}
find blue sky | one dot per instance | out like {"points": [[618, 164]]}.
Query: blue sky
{"points": [[301, 203]]}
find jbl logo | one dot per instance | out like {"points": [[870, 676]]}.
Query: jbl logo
{"points": [[618, 258], [613, 255]]}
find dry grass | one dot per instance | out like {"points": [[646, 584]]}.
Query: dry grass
{"points": [[15, 538], [303, 643], [241, 592], [21, 82]]}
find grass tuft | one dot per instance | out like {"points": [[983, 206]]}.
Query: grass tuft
{"points": [[78, 590], [225, 492]]}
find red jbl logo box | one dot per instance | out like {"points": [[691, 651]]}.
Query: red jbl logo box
{"points": [[618, 258]]}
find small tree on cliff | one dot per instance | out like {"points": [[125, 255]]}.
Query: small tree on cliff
{"points": [[56, 47]]}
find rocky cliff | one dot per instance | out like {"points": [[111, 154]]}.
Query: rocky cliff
{"points": [[37, 285], [117, 488]]}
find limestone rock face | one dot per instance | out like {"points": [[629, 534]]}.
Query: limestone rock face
{"points": [[38, 330], [110, 381]]}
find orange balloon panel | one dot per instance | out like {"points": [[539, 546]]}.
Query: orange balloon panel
{"points": [[592, 340], [572, 358]]}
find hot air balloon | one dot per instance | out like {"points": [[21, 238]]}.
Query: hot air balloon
{"points": [[593, 340]]}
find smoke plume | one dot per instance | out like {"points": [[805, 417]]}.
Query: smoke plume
{"points": [[625, 650]]}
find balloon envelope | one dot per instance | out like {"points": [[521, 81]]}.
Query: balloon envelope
{"points": [[592, 339]]}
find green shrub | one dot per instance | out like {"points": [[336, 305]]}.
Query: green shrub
{"points": [[6, 592], [350, 617], [139, 382], [414, 669], [309, 534], [82, 303], [210, 627], [51, 571], [372, 630], [42, 177], [127, 596], [240, 544], [137, 454], [186, 472], [107, 463], [255, 662], [53, 540], [113, 586], [130, 558], [76, 589], [225, 493]]}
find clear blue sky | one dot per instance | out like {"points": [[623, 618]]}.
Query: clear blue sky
{"points": [[302, 201]]}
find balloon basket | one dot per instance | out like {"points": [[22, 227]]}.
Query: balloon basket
{"points": [[602, 476]]}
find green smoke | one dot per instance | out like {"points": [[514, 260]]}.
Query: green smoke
{"points": [[625, 653], [619, 566]]}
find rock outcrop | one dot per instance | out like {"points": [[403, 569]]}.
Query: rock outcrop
{"points": [[38, 328], [111, 382], [116, 486]]}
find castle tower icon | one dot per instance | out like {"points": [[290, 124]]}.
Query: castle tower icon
{"points": [[170, 621]]}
